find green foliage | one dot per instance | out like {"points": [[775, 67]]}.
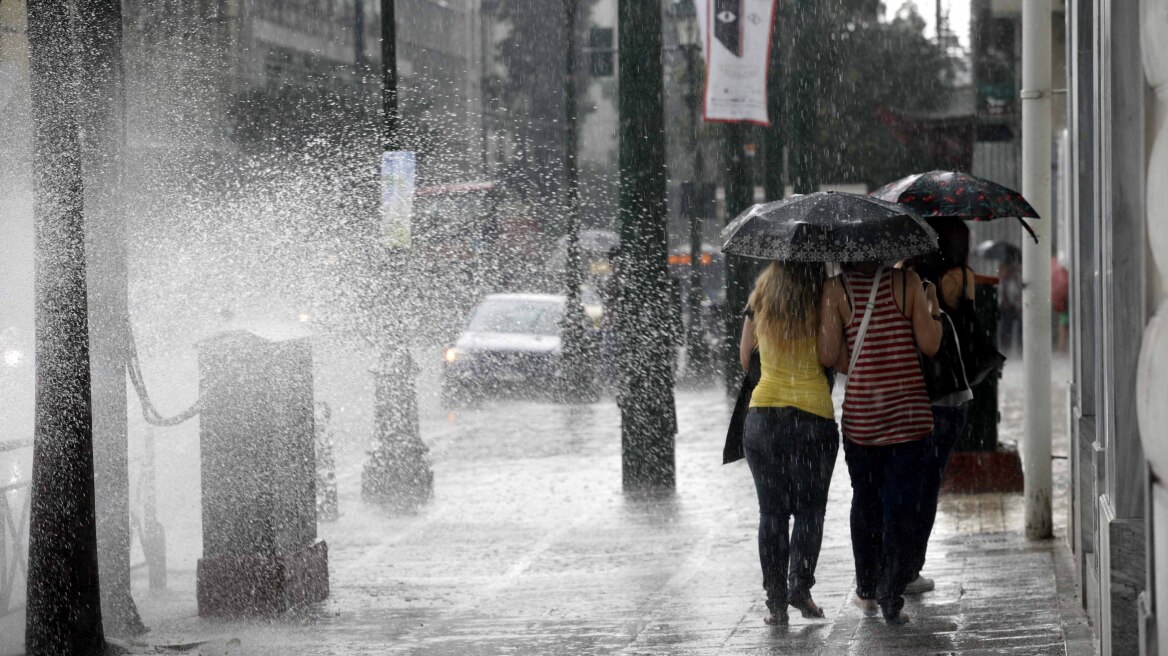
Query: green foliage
{"points": [[528, 91], [859, 79]]}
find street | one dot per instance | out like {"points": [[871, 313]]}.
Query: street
{"points": [[530, 547]]}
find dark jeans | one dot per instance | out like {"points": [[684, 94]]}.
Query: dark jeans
{"points": [[791, 454], [886, 492], [948, 423]]}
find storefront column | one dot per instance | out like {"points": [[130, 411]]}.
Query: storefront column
{"points": [[1152, 379]]}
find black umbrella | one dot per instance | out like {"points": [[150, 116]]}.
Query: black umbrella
{"points": [[829, 226], [959, 195]]}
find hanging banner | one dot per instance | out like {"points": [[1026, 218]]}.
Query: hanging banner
{"points": [[736, 45], [397, 197]]}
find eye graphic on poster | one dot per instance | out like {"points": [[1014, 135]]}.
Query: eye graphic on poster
{"points": [[727, 25]]}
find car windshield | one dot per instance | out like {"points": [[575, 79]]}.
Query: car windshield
{"points": [[517, 316]]}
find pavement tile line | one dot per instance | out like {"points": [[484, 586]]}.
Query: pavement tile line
{"points": [[456, 614], [694, 564]]}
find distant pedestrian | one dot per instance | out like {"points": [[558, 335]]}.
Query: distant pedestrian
{"points": [[1060, 299], [1009, 305], [790, 438], [947, 268], [871, 322]]}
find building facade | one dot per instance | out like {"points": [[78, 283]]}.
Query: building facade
{"points": [[1117, 100]]}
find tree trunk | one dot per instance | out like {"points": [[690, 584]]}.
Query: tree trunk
{"points": [[646, 352], [64, 604], [102, 121]]}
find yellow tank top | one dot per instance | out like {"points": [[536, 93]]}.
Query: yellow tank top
{"points": [[792, 377]]}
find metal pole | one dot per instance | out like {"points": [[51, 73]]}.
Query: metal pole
{"points": [[397, 474], [739, 192], [696, 356], [574, 378], [1036, 347], [101, 117]]}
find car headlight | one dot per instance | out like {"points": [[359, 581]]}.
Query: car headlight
{"points": [[13, 357], [450, 355]]}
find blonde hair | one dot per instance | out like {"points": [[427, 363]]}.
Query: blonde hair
{"points": [[785, 301]]}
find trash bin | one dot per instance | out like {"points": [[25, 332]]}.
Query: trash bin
{"points": [[256, 439], [979, 463], [981, 428]]}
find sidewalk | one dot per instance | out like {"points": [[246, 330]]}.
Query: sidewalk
{"points": [[529, 547]]}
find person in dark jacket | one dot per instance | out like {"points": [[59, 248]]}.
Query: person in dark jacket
{"points": [[948, 269]]}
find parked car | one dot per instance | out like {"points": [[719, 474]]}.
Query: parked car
{"points": [[511, 344]]}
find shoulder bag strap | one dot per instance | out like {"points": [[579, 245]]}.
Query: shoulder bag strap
{"points": [[867, 317]]}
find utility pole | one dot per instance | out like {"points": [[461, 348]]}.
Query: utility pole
{"points": [[63, 591], [697, 356], [648, 414], [739, 196], [800, 94], [1036, 348], [101, 115], [397, 474], [575, 375], [774, 173]]}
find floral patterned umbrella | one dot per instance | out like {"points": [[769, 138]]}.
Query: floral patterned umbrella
{"points": [[959, 195], [829, 226]]}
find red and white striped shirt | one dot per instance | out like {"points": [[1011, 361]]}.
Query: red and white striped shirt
{"points": [[885, 402]]}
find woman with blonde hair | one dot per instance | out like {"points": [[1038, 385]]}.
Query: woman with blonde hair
{"points": [[790, 438]]}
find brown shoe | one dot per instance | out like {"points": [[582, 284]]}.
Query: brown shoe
{"points": [[807, 607]]}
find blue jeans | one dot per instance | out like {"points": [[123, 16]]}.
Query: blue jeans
{"points": [[886, 493], [948, 423], [791, 454]]}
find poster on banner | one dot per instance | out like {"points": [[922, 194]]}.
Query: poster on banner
{"points": [[736, 43], [397, 197]]}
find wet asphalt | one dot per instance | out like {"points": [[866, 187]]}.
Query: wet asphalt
{"points": [[529, 546]]}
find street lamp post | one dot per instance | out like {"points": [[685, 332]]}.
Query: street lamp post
{"points": [[397, 474], [575, 376], [689, 42]]}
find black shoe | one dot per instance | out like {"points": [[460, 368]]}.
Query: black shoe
{"points": [[807, 607], [899, 618]]}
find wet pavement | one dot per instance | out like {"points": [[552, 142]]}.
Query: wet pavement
{"points": [[530, 547]]}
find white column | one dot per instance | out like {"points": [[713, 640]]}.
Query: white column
{"points": [[1152, 377], [1036, 347]]}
